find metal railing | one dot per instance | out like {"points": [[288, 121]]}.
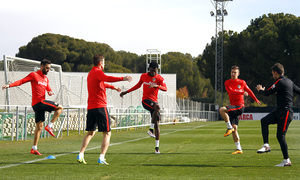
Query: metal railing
{"points": [[19, 122]]}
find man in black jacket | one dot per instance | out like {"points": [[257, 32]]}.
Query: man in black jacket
{"points": [[283, 115]]}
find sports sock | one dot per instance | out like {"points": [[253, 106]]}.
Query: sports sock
{"points": [[229, 125], [34, 148], [157, 143], [152, 126], [50, 124], [102, 156], [267, 144], [81, 155], [238, 145]]}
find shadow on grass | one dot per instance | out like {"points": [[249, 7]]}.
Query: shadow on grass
{"points": [[197, 165], [52, 163], [150, 153], [179, 165]]}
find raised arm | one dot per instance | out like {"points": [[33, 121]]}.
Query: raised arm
{"points": [[269, 91], [135, 87], [104, 77], [251, 94], [112, 87], [26, 79]]}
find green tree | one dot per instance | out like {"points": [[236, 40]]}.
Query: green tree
{"points": [[187, 74], [63, 49], [114, 68], [129, 60], [66, 67], [268, 39]]}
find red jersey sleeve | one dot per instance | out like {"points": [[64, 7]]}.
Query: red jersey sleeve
{"points": [[227, 87], [48, 88], [109, 86], [162, 86], [28, 78], [251, 94], [138, 85], [104, 77]]}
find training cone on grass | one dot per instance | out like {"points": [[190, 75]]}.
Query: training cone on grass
{"points": [[51, 157]]}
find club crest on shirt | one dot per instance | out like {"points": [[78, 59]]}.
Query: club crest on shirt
{"points": [[239, 86], [154, 79]]}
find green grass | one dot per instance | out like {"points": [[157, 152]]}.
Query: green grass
{"points": [[188, 151]]}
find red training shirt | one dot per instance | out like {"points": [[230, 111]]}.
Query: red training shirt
{"points": [[39, 85], [97, 87], [147, 80], [235, 89]]}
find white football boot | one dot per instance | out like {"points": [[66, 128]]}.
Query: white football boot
{"points": [[264, 149], [285, 162]]}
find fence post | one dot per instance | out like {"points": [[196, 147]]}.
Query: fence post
{"points": [[78, 120], [17, 122], [67, 121], [6, 69], [25, 124], [12, 127], [84, 120], [196, 111]]}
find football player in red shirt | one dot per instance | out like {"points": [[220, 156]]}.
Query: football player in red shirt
{"points": [[236, 89], [98, 115], [152, 82], [39, 86]]}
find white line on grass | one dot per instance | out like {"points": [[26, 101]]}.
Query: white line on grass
{"points": [[74, 152]]}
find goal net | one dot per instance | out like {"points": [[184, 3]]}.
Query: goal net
{"points": [[16, 68]]}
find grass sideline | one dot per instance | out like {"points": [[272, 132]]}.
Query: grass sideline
{"points": [[188, 151]]}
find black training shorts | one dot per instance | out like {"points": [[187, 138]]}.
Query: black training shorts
{"points": [[98, 117], [41, 107], [148, 104], [234, 112]]}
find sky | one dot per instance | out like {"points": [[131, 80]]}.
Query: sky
{"points": [[134, 26]]}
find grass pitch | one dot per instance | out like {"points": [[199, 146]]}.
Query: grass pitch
{"points": [[188, 151]]}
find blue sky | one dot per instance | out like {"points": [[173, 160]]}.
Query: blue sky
{"points": [[130, 25]]}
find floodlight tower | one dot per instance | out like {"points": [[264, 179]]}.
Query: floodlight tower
{"points": [[153, 55], [220, 13]]}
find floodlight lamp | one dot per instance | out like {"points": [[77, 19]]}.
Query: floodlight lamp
{"points": [[225, 12], [219, 12], [212, 13]]}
